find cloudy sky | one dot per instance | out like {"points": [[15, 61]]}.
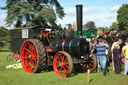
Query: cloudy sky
{"points": [[102, 12]]}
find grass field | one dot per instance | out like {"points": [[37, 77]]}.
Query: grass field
{"points": [[20, 77]]}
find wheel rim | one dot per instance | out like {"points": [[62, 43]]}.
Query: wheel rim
{"points": [[91, 63], [29, 57], [61, 65]]}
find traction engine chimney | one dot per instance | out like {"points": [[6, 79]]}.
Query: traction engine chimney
{"points": [[79, 13]]}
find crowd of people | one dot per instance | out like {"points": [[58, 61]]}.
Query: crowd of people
{"points": [[100, 49]]}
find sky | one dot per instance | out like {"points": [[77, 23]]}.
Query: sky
{"points": [[102, 12]]}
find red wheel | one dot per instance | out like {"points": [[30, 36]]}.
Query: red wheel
{"points": [[33, 56], [92, 62], [62, 64]]}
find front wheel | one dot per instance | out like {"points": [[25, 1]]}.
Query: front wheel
{"points": [[62, 64]]}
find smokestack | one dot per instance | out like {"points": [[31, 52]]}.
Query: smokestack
{"points": [[79, 19]]}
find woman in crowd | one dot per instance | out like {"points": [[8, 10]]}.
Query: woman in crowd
{"points": [[117, 42], [116, 58]]}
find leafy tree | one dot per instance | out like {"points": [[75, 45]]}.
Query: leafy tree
{"points": [[4, 32], [4, 38], [4, 43], [122, 17], [114, 26], [101, 28], [90, 25], [33, 12], [1, 44], [104, 29]]}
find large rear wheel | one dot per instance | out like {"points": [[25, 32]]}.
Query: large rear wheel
{"points": [[33, 56], [62, 64]]}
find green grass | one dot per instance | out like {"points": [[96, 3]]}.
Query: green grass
{"points": [[20, 77]]}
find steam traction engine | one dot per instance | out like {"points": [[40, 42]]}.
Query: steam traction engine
{"points": [[39, 48]]}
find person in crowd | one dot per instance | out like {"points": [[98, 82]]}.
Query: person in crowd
{"points": [[94, 51], [116, 58], [125, 53], [117, 42], [101, 56], [107, 53], [92, 44]]}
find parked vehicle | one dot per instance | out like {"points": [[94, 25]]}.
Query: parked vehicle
{"points": [[39, 47]]}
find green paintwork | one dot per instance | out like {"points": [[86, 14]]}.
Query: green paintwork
{"points": [[87, 33]]}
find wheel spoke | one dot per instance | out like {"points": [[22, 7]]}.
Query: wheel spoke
{"points": [[65, 71], [26, 58], [91, 61], [35, 58], [35, 61], [58, 66], [27, 66], [60, 69], [66, 60], [61, 57], [29, 45], [66, 63], [27, 50], [26, 63], [58, 58], [32, 64], [34, 52], [90, 65], [33, 48], [29, 61], [27, 53], [57, 62], [67, 66]]}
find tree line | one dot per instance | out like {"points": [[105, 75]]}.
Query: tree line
{"points": [[91, 25], [21, 13], [4, 39]]}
